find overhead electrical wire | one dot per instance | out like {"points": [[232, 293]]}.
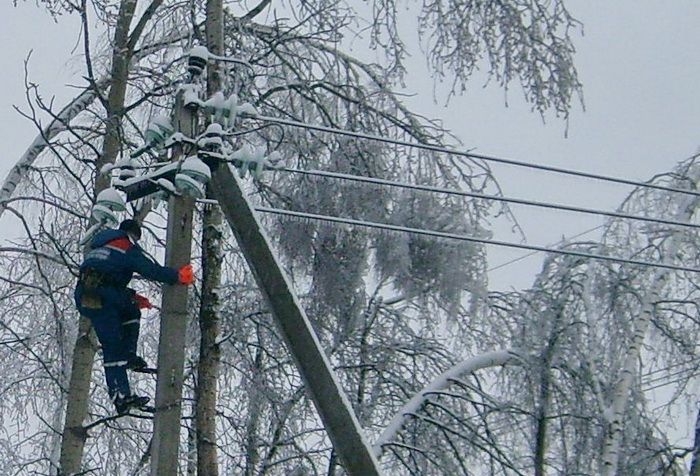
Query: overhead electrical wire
{"points": [[473, 155], [463, 193], [446, 150], [666, 377], [532, 253], [473, 239], [433, 189], [671, 382]]}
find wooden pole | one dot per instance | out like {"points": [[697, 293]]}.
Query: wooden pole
{"points": [[173, 324]]}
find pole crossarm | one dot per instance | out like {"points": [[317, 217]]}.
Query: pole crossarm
{"points": [[333, 406]]}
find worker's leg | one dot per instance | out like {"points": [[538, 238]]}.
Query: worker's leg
{"points": [[108, 327], [131, 325]]}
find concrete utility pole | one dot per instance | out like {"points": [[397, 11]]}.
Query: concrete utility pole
{"points": [[330, 400], [173, 322]]}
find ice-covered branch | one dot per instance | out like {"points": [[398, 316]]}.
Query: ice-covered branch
{"points": [[489, 359], [58, 124]]}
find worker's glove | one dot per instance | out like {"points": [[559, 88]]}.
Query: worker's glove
{"points": [[185, 275], [142, 302]]}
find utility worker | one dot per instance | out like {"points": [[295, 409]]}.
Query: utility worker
{"points": [[102, 296]]}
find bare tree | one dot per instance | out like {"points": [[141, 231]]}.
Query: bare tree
{"points": [[381, 304]]}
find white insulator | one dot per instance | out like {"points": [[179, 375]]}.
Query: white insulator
{"points": [[245, 153], [247, 109], [195, 168], [166, 185], [158, 130], [107, 168], [103, 214], [111, 199], [197, 60], [189, 186], [215, 103], [214, 130]]}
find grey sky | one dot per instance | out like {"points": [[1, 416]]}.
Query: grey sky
{"points": [[638, 62], [639, 65]]}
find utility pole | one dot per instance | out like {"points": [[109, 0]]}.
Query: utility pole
{"points": [[324, 388], [173, 320]]}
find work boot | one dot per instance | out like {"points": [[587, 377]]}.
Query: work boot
{"points": [[132, 401], [136, 363]]}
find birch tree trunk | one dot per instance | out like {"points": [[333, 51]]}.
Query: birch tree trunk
{"points": [[212, 256], [74, 434], [695, 461], [618, 407], [544, 398]]}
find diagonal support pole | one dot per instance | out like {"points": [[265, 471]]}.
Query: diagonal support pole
{"points": [[333, 406]]}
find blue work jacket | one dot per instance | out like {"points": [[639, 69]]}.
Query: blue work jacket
{"points": [[113, 255]]}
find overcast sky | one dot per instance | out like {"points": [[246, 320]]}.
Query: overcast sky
{"points": [[638, 62]]}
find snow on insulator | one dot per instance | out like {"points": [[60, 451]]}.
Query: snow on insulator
{"points": [[245, 153], [111, 199], [195, 168], [90, 233], [257, 163], [197, 60], [107, 168], [125, 162], [230, 110], [249, 158], [210, 144], [158, 130], [166, 185], [161, 121], [247, 109], [176, 138], [125, 173], [214, 130], [222, 110], [215, 103], [190, 95], [103, 214], [190, 186]]}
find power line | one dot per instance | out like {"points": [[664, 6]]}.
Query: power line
{"points": [[671, 382], [532, 253], [667, 376], [473, 239], [463, 193], [472, 155]]}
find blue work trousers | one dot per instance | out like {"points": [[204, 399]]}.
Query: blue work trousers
{"points": [[116, 320]]}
